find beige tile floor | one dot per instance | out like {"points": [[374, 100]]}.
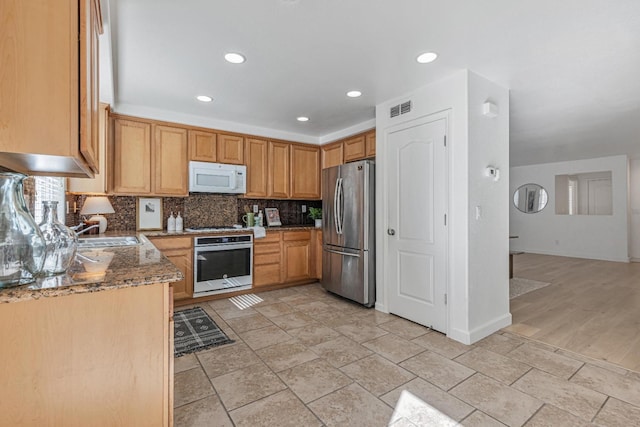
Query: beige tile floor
{"points": [[304, 357]]}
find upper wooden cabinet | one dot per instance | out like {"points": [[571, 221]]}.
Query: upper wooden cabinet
{"points": [[370, 144], [354, 148], [141, 165], [255, 154], [305, 172], [202, 146], [170, 164], [97, 184], [130, 163], [332, 155], [49, 87], [230, 149], [279, 167]]}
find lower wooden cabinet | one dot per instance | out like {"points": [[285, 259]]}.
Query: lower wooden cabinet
{"points": [[267, 259], [95, 358], [287, 257], [296, 250], [179, 250]]}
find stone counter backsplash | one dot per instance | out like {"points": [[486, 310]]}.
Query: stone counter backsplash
{"points": [[196, 210]]}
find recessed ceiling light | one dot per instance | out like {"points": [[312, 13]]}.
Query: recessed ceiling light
{"points": [[425, 58], [303, 119], [234, 58], [354, 93], [204, 98]]}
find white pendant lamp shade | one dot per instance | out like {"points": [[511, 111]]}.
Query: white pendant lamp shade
{"points": [[97, 206]]}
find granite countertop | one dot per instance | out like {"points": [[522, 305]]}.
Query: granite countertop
{"points": [[105, 268], [165, 233]]}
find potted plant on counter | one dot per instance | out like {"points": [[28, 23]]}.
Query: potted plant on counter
{"points": [[316, 214]]}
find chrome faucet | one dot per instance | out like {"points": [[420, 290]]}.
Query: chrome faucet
{"points": [[74, 228]]}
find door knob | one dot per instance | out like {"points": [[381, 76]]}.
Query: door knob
{"points": [[391, 231]]}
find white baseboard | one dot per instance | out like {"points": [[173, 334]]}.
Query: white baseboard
{"points": [[476, 334], [635, 259], [573, 255], [381, 307]]}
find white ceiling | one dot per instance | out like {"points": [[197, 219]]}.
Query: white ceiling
{"points": [[573, 66]]}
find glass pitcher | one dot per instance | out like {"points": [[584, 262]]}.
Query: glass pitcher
{"points": [[61, 241], [22, 247]]}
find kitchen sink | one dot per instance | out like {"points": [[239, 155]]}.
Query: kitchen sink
{"points": [[107, 242]]}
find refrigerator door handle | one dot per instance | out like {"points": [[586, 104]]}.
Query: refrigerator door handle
{"points": [[335, 206], [342, 253], [340, 204]]}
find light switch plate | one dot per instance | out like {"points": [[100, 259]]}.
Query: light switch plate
{"points": [[304, 208], [255, 209]]}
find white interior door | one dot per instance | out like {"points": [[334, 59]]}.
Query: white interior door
{"points": [[416, 229]]}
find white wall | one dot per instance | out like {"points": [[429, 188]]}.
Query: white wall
{"points": [[602, 237], [489, 234], [634, 202], [478, 287]]}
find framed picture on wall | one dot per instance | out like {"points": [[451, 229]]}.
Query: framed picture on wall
{"points": [[149, 213], [273, 216]]}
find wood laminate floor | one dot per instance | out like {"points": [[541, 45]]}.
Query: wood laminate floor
{"points": [[591, 307]]}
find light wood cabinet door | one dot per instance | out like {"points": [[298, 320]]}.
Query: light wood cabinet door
{"points": [[305, 172], [279, 167], [354, 148], [97, 184], [179, 250], [89, 83], [96, 358], [267, 259], [256, 158], [296, 252], [183, 260], [370, 144], [332, 155], [230, 149], [170, 161], [131, 161], [49, 88], [202, 146]]}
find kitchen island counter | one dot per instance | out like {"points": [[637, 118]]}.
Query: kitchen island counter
{"points": [[101, 269]]}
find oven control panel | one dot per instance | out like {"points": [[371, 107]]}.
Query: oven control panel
{"points": [[221, 240]]}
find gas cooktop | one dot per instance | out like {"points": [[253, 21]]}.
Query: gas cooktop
{"points": [[214, 228]]}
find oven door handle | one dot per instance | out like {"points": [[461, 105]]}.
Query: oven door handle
{"points": [[223, 247]]}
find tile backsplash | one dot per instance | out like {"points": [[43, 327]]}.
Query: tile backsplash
{"points": [[197, 210]]}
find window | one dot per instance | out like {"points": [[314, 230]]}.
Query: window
{"points": [[49, 188]]}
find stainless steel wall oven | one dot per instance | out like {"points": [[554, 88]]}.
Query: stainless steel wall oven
{"points": [[222, 264]]}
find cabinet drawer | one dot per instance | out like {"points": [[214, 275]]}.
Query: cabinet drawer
{"points": [[297, 235], [163, 243], [266, 248], [262, 259], [272, 236], [266, 274]]}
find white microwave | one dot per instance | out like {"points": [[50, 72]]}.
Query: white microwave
{"points": [[205, 177]]}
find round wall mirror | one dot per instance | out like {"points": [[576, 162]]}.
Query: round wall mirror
{"points": [[530, 198]]}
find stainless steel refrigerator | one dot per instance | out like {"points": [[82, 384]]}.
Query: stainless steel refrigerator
{"points": [[348, 231]]}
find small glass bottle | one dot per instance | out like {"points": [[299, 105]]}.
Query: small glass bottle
{"points": [[22, 248], [179, 222], [61, 241], [171, 223]]}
